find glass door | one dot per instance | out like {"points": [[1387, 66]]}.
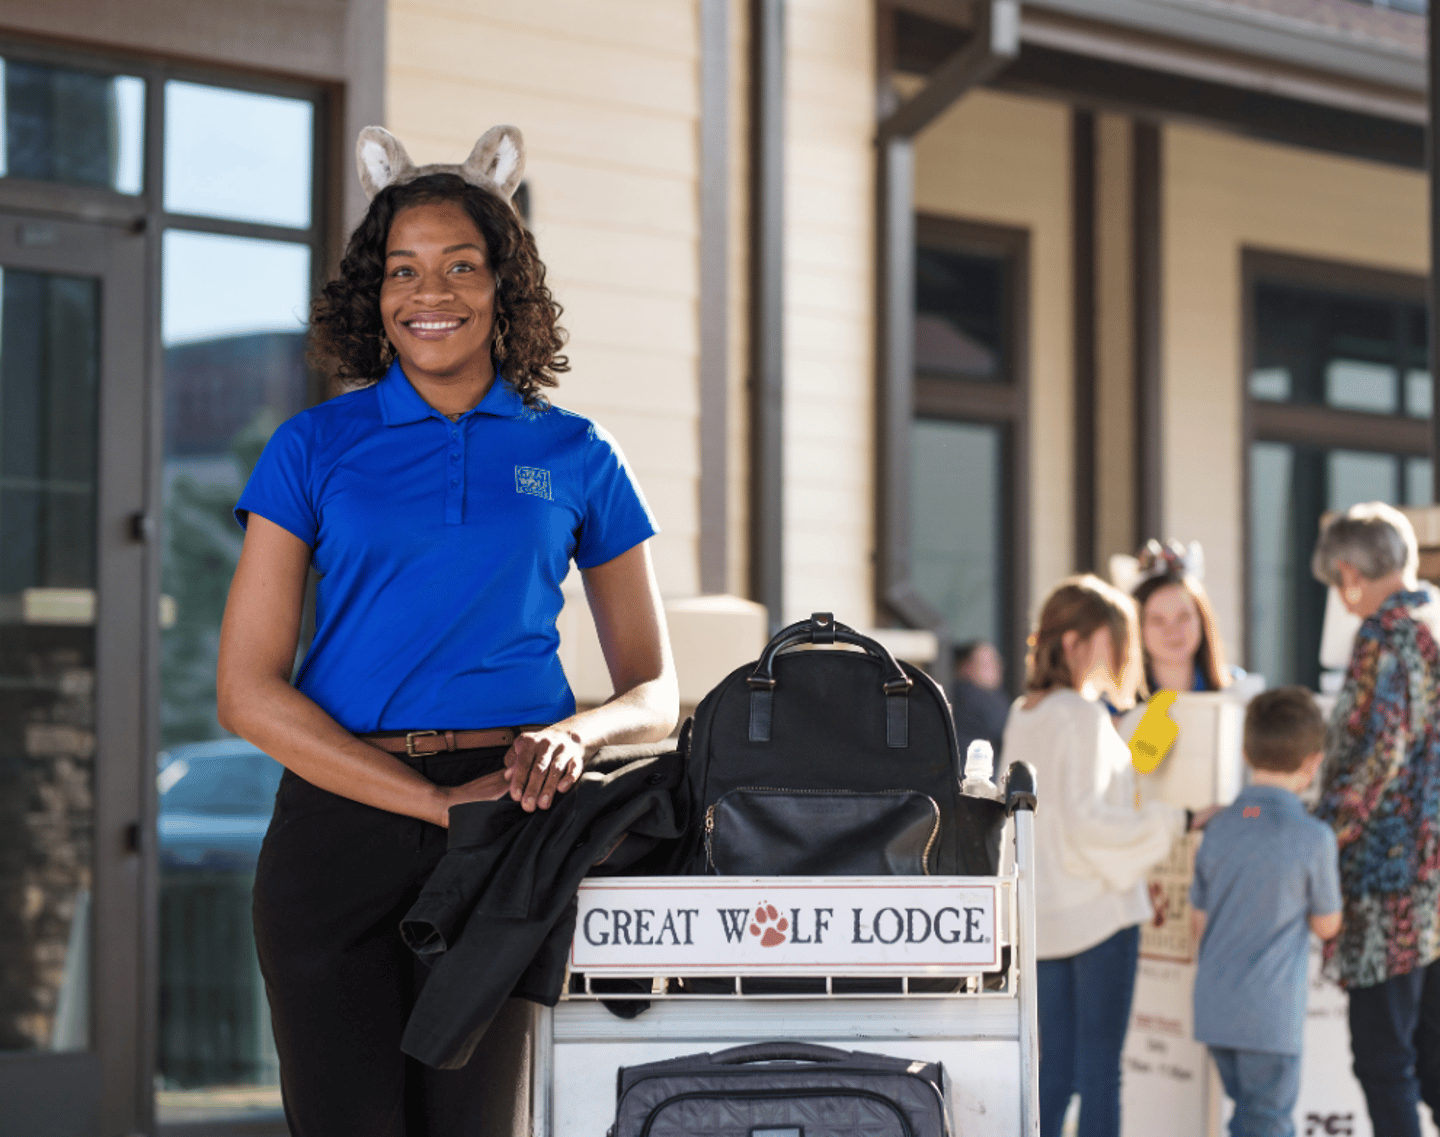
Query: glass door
{"points": [[72, 589]]}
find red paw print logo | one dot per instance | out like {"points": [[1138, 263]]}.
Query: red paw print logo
{"points": [[769, 925]]}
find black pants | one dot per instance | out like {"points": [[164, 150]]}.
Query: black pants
{"points": [[333, 880], [1395, 1042]]}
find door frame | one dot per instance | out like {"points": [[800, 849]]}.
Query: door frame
{"points": [[105, 1090]]}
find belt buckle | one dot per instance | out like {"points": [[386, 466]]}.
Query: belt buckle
{"points": [[410, 738]]}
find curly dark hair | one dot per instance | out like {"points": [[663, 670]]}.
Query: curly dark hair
{"points": [[347, 338]]}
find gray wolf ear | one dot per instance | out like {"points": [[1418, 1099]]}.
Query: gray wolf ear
{"points": [[498, 160], [381, 160]]}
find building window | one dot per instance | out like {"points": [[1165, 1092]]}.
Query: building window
{"points": [[70, 125], [216, 178], [239, 251], [968, 430], [1338, 398]]}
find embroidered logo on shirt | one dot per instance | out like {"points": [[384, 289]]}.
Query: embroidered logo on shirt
{"points": [[1250, 811], [533, 480]]}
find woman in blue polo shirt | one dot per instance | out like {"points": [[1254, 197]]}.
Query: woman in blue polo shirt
{"points": [[440, 505]]}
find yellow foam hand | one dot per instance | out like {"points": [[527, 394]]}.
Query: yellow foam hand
{"points": [[1156, 733]]}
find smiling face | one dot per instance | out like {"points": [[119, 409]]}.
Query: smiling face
{"points": [[437, 300], [1170, 626]]}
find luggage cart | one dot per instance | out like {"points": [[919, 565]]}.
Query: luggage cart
{"points": [[983, 1027]]}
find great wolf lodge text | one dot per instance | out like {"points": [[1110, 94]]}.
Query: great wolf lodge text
{"points": [[732, 926]]}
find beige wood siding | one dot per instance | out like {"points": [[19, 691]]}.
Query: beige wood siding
{"points": [[829, 310], [1006, 160], [1223, 193], [607, 95]]}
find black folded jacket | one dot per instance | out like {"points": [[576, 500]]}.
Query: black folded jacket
{"points": [[496, 917]]}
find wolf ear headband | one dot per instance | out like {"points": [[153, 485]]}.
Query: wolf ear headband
{"points": [[1156, 559], [496, 164]]}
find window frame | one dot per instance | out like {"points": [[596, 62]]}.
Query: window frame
{"points": [[144, 214], [1328, 428], [1003, 403]]}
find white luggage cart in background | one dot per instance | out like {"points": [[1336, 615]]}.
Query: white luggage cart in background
{"points": [[735, 934]]}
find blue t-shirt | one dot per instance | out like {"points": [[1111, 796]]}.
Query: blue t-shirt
{"points": [[1264, 867], [440, 548]]}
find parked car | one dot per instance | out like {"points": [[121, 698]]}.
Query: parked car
{"points": [[215, 803]]}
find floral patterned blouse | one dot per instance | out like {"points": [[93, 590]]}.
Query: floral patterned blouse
{"points": [[1380, 791]]}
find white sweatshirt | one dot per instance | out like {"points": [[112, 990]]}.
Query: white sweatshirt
{"points": [[1092, 846]]}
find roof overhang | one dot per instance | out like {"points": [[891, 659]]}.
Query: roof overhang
{"points": [[1205, 61], [1374, 47]]}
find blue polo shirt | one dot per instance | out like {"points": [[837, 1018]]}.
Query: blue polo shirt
{"points": [[1264, 867], [440, 548]]}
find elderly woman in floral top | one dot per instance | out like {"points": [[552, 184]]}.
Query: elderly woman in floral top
{"points": [[1380, 790]]}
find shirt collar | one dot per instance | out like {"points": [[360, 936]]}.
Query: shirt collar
{"points": [[1276, 795], [400, 403], [1408, 598]]}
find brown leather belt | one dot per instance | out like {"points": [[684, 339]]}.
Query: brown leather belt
{"points": [[418, 742]]}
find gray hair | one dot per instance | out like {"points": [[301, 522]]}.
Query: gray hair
{"points": [[1373, 538]]}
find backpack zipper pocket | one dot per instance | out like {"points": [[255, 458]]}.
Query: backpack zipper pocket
{"points": [[782, 831]]}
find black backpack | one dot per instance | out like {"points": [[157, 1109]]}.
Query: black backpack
{"points": [[832, 762]]}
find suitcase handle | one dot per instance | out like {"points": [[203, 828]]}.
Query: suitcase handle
{"points": [[823, 628], [778, 1051]]}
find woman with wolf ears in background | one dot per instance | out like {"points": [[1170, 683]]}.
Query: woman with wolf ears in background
{"points": [[1093, 847], [435, 640], [1180, 644]]}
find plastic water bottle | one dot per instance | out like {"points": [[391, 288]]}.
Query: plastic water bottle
{"points": [[980, 771]]}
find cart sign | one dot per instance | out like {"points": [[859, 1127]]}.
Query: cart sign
{"points": [[784, 925]]}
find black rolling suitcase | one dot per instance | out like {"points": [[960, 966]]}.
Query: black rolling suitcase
{"points": [[832, 761], [782, 1089]]}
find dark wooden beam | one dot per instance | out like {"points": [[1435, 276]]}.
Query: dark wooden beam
{"points": [[714, 305], [989, 402], [991, 45], [1148, 173], [1083, 314], [1332, 429], [922, 45], [895, 403], [1103, 84], [767, 264]]}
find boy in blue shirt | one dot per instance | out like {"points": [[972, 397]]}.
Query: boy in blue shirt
{"points": [[1266, 876]]}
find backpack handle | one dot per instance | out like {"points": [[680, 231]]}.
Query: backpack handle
{"points": [[823, 628]]}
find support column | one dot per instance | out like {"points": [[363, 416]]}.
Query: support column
{"points": [[767, 311], [714, 295], [1083, 281], [1148, 173], [994, 41], [1115, 419]]}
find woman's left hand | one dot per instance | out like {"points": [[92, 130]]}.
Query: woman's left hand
{"points": [[543, 763]]}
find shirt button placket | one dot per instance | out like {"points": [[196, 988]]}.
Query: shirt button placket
{"points": [[455, 478]]}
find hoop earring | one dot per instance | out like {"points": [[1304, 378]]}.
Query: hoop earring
{"points": [[1353, 594], [502, 325]]}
